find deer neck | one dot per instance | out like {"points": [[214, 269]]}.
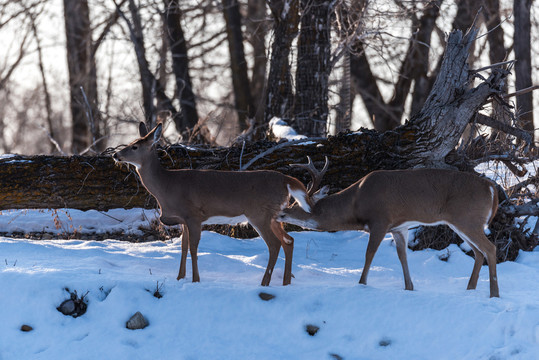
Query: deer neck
{"points": [[152, 174], [331, 213]]}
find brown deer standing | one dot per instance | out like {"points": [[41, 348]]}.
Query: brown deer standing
{"points": [[394, 201], [195, 197]]}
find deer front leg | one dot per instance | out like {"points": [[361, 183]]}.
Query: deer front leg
{"points": [[400, 241], [263, 227], [287, 242], [194, 238], [185, 249], [375, 238]]}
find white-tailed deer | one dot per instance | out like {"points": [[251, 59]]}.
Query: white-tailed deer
{"points": [[393, 201], [195, 197]]}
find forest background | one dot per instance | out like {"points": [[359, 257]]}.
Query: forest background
{"points": [[75, 75]]}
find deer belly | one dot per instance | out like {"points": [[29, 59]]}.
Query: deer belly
{"points": [[410, 224], [225, 220]]}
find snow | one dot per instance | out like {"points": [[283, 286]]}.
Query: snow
{"points": [[63, 221], [281, 130], [222, 317]]}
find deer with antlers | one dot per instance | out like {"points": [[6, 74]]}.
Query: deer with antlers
{"points": [[195, 197], [395, 200]]}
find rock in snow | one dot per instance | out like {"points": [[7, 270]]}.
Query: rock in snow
{"points": [[26, 328], [137, 321]]}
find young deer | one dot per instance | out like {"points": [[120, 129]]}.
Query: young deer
{"points": [[394, 201], [195, 197]]}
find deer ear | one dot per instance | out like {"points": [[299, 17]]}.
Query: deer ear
{"points": [[157, 132], [142, 129], [322, 193]]}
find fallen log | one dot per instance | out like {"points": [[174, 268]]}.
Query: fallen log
{"points": [[82, 182]]}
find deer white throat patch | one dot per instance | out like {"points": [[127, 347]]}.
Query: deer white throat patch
{"points": [[300, 197]]}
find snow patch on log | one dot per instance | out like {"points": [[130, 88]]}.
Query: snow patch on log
{"points": [[281, 130]]}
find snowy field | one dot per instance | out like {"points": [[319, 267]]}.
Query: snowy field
{"points": [[222, 317]]}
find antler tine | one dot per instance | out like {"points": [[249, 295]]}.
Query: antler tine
{"points": [[315, 174]]}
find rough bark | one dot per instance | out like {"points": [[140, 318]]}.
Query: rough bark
{"points": [[451, 104], [523, 66], [238, 64], [97, 183], [257, 28], [312, 73], [279, 93], [180, 66], [420, 53], [82, 75]]}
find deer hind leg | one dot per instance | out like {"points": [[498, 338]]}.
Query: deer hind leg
{"points": [[375, 238], [400, 236], [185, 249], [478, 241], [193, 229], [274, 245], [287, 242], [479, 258]]}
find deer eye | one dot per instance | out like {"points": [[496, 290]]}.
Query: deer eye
{"points": [[134, 147]]}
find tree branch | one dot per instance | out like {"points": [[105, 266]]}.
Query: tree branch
{"points": [[498, 125]]}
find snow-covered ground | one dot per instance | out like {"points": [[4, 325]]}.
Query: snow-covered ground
{"points": [[222, 317]]}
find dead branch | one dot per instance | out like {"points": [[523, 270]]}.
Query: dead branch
{"points": [[498, 125]]}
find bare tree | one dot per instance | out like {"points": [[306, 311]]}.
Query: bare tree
{"points": [[414, 67], [180, 66], [523, 66], [279, 91], [82, 75], [312, 73], [238, 64], [257, 27], [151, 87]]}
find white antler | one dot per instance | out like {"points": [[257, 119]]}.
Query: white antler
{"points": [[316, 175]]}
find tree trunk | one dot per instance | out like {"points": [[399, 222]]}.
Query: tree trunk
{"points": [[450, 106], [279, 93], [365, 85], [82, 75], [238, 64], [414, 68], [180, 66], [313, 68], [257, 28], [421, 50], [426, 140], [151, 88], [523, 66]]}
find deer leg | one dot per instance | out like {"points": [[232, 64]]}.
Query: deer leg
{"points": [[477, 238], [489, 251], [274, 245], [194, 238], [479, 258], [287, 242], [185, 249], [400, 238], [375, 238]]}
